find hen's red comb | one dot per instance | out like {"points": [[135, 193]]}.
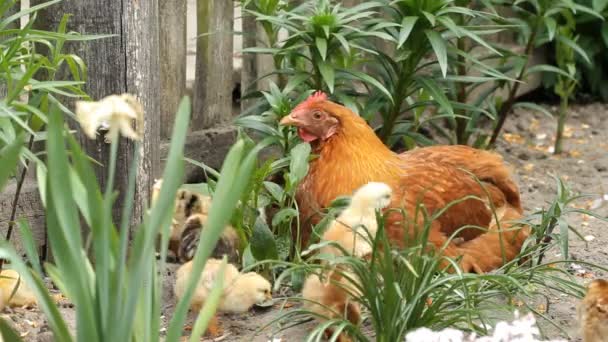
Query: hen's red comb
{"points": [[315, 97]]}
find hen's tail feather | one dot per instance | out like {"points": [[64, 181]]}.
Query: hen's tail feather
{"points": [[487, 166]]}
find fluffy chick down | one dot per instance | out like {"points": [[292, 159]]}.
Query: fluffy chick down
{"points": [[11, 281], [593, 312], [240, 290], [355, 228]]}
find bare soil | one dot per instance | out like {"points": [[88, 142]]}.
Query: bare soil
{"points": [[526, 146]]}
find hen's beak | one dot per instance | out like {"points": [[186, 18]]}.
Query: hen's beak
{"points": [[289, 121]]}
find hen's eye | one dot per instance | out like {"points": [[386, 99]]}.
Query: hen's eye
{"points": [[317, 115]]}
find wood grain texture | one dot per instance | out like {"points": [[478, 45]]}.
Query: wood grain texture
{"points": [[127, 62], [172, 16], [249, 71], [214, 58]]}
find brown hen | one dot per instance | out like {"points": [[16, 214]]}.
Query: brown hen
{"points": [[351, 155]]}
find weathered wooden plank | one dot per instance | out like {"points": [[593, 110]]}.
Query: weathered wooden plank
{"points": [[214, 54], [249, 70], [127, 62], [172, 60]]}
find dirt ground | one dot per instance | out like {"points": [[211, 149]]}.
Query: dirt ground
{"points": [[526, 146]]}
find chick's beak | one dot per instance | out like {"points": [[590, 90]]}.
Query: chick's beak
{"points": [[268, 296]]}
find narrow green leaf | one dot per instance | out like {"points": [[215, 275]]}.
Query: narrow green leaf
{"points": [[298, 167], [45, 302], [262, 243], [327, 72], [574, 46], [551, 27], [533, 106], [321, 44], [8, 334], [211, 303], [10, 158], [439, 47], [407, 24], [437, 93]]}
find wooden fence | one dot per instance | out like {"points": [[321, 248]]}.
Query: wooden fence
{"points": [[147, 56]]}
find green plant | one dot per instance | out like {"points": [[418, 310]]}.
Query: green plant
{"points": [[403, 289], [29, 62], [538, 23], [118, 296], [565, 85], [374, 57], [592, 73]]}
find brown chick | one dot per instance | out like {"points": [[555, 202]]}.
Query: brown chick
{"points": [[327, 299], [347, 229], [228, 244], [240, 290], [186, 204], [593, 312], [14, 292]]}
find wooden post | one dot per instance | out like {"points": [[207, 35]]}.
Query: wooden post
{"points": [[172, 61], [213, 78], [128, 62], [249, 71]]}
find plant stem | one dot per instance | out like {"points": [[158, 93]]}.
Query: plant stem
{"points": [[505, 109], [461, 122], [11, 222], [561, 121]]}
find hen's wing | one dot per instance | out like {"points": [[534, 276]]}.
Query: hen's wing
{"points": [[487, 166], [467, 208]]}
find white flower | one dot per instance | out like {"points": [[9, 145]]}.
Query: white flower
{"points": [[520, 330], [115, 113]]}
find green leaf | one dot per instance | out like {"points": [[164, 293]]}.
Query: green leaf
{"points": [[321, 44], [439, 47], [211, 303], [10, 158], [275, 190], [370, 80], [533, 106], [327, 72], [551, 27], [437, 93], [284, 215], [45, 302], [547, 68], [262, 244], [27, 240], [599, 5], [605, 33], [407, 24], [298, 166], [569, 42], [8, 334]]}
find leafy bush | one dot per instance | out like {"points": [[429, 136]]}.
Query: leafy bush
{"points": [[414, 65]]}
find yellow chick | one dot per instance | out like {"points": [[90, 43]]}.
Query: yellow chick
{"points": [[593, 312], [331, 298], [23, 295], [228, 244], [347, 229], [240, 290]]}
